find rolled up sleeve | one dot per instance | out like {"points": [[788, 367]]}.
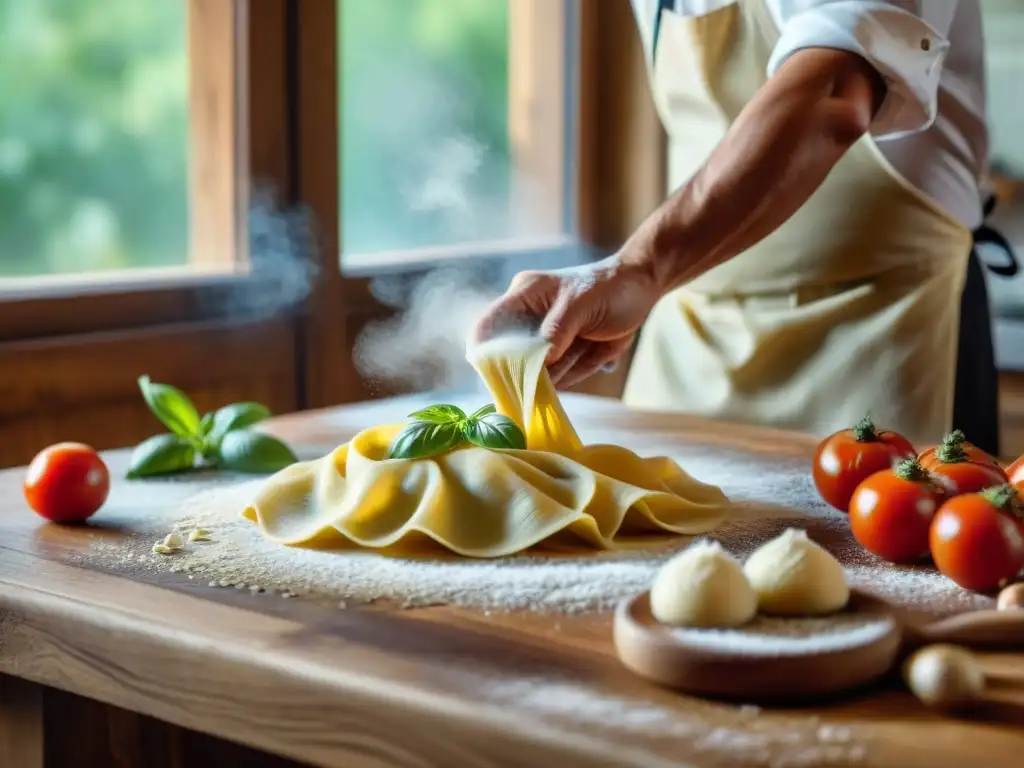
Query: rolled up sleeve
{"points": [[906, 50]]}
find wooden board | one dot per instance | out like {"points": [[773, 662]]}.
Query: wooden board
{"points": [[431, 686]]}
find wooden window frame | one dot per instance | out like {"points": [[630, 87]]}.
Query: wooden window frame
{"points": [[71, 349], [542, 39], [278, 113], [237, 132]]}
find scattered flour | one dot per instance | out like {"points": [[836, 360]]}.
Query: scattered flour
{"points": [[713, 734], [769, 499]]}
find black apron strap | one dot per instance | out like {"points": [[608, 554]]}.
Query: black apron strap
{"points": [[976, 399], [985, 235]]}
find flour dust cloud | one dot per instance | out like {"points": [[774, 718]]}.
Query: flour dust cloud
{"points": [[423, 345], [283, 260]]}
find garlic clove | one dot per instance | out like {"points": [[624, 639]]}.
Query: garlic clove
{"points": [[1011, 598], [945, 677]]}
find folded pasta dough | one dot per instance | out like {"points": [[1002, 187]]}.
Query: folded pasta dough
{"points": [[487, 503]]}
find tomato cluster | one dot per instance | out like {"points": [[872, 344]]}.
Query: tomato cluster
{"points": [[953, 502]]}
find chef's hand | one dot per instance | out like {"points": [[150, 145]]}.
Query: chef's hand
{"points": [[589, 314]]}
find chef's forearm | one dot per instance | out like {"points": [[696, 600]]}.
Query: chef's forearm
{"points": [[777, 153]]}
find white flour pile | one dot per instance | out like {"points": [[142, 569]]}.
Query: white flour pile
{"points": [[770, 498], [770, 636]]}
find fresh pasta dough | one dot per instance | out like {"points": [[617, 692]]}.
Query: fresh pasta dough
{"points": [[479, 502], [703, 586], [794, 576]]}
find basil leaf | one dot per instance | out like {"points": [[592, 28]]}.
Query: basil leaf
{"points": [[161, 455], [236, 416], [255, 452], [206, 424], [171, 406], [440, 414], [487, 410], [497, 432], [422, 439]]}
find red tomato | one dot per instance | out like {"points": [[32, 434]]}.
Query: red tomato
{"points": [[849, 456], [977, 540], [953, 448], [960, 477], [67, 483], [1015, 473], [891, 512]]}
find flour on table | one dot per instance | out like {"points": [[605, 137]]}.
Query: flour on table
{"points": [[713, 733], [769, 498]]}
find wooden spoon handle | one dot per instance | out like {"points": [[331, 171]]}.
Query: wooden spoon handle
{"points": [[977, 629]]}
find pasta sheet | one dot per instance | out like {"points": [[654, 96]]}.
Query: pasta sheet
{"points": [[487, 503]]}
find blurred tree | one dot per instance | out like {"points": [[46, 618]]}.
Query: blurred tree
{"points": [[424, 113], [93, 131]]}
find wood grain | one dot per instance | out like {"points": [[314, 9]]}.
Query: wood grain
{"points": [[621, 144], [537, 119], [21, 722], [216, 170], [84, 387], [330, 328], [83, 733], [1011, 413], [432, 686]]}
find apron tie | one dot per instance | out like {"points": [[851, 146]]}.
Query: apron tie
{"points": [[986, 235], [976, 397]]}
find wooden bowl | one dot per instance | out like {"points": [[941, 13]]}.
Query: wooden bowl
{"points": [[720, 664]]}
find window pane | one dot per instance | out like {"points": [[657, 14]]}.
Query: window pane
{"points": [[93, 135], [454, 125]]}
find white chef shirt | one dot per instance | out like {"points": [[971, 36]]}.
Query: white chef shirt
{"points": [[932, 125]]}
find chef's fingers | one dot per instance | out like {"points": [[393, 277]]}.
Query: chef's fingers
{"points": [[521, 308], [569, 314], [577, 350], [596, 359], [505, 316]]}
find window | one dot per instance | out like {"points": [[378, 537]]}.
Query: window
{"points": [[128, 143], [137, 140], [456, 127], [118, 153], [93, 136]]}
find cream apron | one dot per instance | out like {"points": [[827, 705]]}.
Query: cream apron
{"points": [[851, 307]]}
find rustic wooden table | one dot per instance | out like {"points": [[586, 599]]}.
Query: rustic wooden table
{"points": [[99, 668]]}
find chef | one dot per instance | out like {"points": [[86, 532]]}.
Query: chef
{"points": [[816, 261]]}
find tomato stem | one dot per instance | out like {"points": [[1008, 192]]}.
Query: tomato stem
{"points": [[1002, 497], [951, 450], [864, 431], [910, 469]]}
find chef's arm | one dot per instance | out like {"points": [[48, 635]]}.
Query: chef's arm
{"points": [[777, 153]]}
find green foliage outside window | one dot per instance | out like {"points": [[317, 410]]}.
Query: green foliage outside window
{"points": [[94, 129]]}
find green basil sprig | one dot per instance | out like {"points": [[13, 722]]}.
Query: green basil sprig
{"points": [[221, 439], [440, 428]]}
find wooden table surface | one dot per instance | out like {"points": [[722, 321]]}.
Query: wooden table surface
{"points": [[431, 686]]}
